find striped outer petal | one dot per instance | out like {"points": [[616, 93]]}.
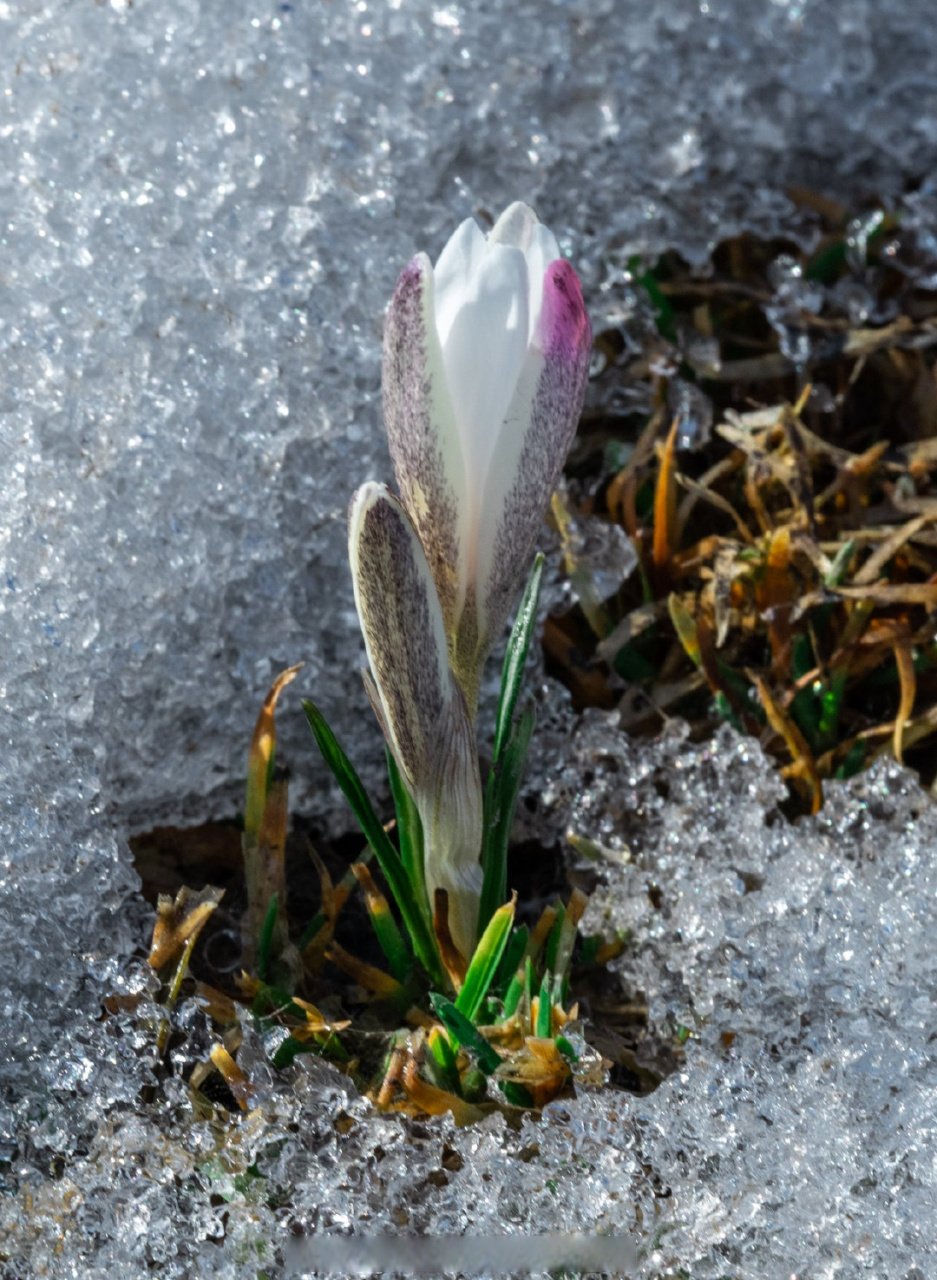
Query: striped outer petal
{"points": [[423, 435], [535, 437], [419, 703]]}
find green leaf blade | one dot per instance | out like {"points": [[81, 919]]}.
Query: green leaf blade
{"points": [[387, 857], [409, 833], [485, 961], [266, 938], [463, 1033], [501, 796], [516, 656]]}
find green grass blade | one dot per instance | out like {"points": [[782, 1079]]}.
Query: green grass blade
{"points": [[512, 997], [518, 1095], [590, 949], [513, 955], [832, 705], [274, 1002], [266, 938], [567, 939], [327, 1045], [526, 994], [514, 659], [501, 794], [854, 761], [553, 941], [442, 1063], [409, 832], [840, 565], [387, 857], [485, 961], [567, 1050], [463, 1033], [544, 1025], [508, 754], [391, 940]]}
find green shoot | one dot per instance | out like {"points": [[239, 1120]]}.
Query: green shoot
{"points": [[409, 833], [464, 1033], [442, 1063], [266, 938], [485, 961], [387, 857], [509, 753], [544, 1008], [512, 674], [391, 940]]}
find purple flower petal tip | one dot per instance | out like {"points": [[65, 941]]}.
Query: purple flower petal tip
{"points": [[565, 331]]}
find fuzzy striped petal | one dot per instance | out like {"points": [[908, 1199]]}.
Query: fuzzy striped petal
{"points": [[536, 434], [419, 702], [423, 434]]}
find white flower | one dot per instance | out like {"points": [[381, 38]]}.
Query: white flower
{"points": [[418, 701], [485, 363]]}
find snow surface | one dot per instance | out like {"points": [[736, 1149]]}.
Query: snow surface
{"points": [[203, 208]]}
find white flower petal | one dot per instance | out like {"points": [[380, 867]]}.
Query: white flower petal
{"points": [[543, 251], [458, 264], [483, 356], [515, 226], [520, 227]]}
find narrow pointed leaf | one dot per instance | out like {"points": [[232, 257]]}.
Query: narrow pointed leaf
{"points": [[567, 1050], [436, 1102], [385, 926], [266, 938], [904, 658], [665, 504], [517, 1095], [266, 816], [567, 939], [544, 1025], [512, 674], [501, 795], [782, 724], [442, 1062], [339, 895], [463, 1033], [513, 955], [409, 832], [512, 997], [485, 961], [387, 856], [553, 941], [262, 749]]}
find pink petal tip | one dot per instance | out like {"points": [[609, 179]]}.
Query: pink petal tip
{"points": [[564, 323]]}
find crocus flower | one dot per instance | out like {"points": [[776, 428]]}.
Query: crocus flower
{"points": [[418, 701], [485, 362]]}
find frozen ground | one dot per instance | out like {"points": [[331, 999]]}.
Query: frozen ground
{"points": [[202, 212]]}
